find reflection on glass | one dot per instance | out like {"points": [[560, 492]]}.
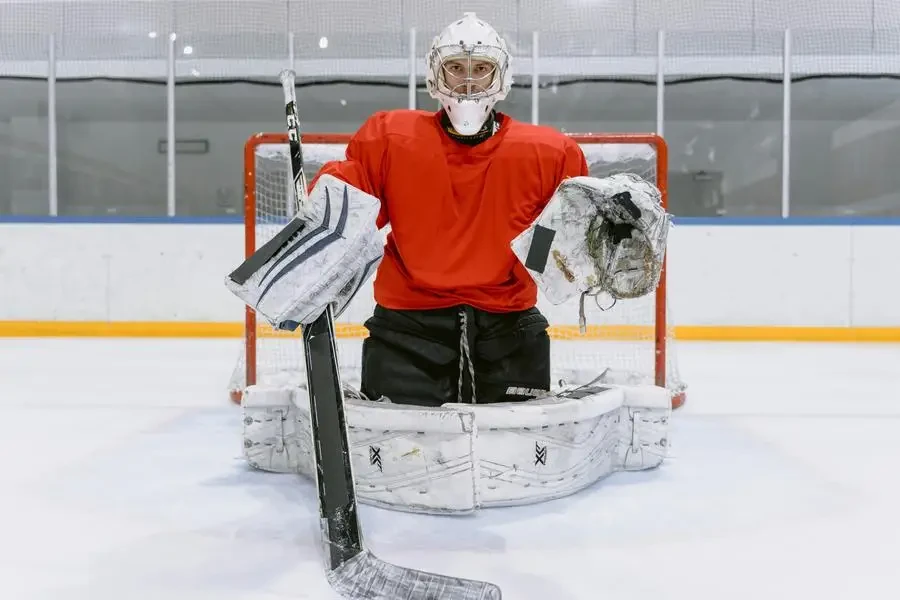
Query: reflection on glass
{"points": [[609, 106], [845, 140], [725, 146], [23, 148], [225, 113], [109, 157]]}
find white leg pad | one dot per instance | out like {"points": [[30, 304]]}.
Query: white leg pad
{"points": [[277, 434], [644, 438], [420, 458], [546, 448], [457, 458]]}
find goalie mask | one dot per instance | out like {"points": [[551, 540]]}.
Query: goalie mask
{"points": [[468, 72]]}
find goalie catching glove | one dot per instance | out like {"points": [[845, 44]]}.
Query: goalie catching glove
{"points": [[314, 262], [597, 236]]}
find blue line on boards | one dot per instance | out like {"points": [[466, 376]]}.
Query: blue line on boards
{"points": [[790, 221], [130, 220]]}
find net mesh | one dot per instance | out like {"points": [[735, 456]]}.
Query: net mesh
{"points": [[621, 337]]}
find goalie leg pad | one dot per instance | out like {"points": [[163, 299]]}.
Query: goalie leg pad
{"points": [[415, 458], [546, 448], [644, 440], [457, 458], [557, 445], [277, 435]]}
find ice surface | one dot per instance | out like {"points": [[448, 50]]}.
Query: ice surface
{"points": [[123, 479]]}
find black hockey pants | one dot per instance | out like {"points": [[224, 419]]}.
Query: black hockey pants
{"points": [[460, 354]]}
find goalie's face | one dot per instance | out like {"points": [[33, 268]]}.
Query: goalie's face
{"points": [[468, 77], [468, 72]]}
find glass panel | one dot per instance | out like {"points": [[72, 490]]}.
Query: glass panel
{"points": [[228, 56], [342, 107], [220, 115], [213, 122], [23, 148], [845, 137], [724, 137], [24, 48], [109, 148], [600, 81], [610, 106]]}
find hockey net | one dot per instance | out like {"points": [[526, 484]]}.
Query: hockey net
{"points": [[633, 337]]}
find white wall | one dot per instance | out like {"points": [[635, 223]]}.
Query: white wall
{"points": [[719, 275]]}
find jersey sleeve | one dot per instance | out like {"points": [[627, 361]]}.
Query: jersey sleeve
{"points": [[574, 162], [363, 165], [570, 162]]}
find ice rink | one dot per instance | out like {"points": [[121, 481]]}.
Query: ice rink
{"points": [[123, 479]]}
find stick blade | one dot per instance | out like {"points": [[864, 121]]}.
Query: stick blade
{"points": [[367, 577]]}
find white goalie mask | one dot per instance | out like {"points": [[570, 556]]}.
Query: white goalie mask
{"points": [[468, 72]]}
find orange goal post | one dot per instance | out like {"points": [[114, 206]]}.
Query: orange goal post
{"points": [[632, 337]]}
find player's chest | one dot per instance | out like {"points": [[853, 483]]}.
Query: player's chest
{"points": [[470, 180]]}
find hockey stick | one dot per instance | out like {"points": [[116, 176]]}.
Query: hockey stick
{"points": [[353, 571]]}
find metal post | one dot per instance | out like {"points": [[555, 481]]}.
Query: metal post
{"points": [[52, 141], [413, 64], [170, 129], [535, 80], [660, 82], [786, 130]]}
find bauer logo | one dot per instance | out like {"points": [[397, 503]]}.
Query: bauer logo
{"points": [[525, 391], [540, 454], [375, 457]]}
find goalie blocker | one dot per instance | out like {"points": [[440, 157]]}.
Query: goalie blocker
{"points": [[319, 260], [460, 457]]}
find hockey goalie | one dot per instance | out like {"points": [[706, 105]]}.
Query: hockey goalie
{"points": [[455, 410]]}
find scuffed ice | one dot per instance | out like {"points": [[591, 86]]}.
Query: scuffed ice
{"points": [[367, 577]]}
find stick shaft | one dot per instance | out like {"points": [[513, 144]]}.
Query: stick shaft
{"points": [[293, 129]]}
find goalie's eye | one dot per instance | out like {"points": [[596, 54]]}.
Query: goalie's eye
{"points": [[455, 68]]}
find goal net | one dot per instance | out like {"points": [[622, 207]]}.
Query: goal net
{"points": [[633, 338]]}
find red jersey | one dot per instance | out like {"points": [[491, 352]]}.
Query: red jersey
{"points": [[455, 208]]}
